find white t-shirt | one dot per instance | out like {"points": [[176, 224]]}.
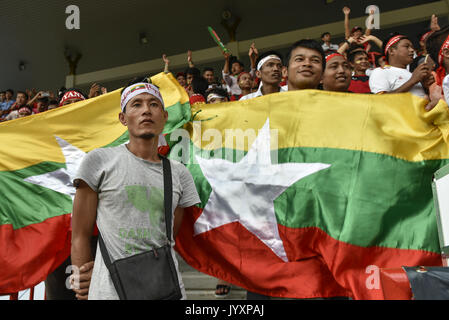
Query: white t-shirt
{"points": [[259, 93], [446, 88], [390, 78]]}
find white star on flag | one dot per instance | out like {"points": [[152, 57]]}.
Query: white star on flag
{"points": [[61, 180], [245, 191]]}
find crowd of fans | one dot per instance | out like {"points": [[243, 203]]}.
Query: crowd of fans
{"points": [[32, 102], [354, 65], [350, 66]]}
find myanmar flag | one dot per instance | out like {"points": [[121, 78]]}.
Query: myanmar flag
{"points": [[308, 194], [39, 157]]}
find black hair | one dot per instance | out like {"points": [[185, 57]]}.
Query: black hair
{"points": [[10, 90], [416, 62], [208, 69], [134, 81], [24, 93], [234, 59], [195, 72], [60, 92], [325, 33], [309, 44], [43, 100], [385, 42], [435, 42], [219, 91], [140, 79], [352, 54], [199, 85], [268, 53], [376, 60], [53, 102]]}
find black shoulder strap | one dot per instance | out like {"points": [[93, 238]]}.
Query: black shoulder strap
{"points": [[168, 196]]}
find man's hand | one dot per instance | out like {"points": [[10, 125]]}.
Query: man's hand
{"points": [[421, 73], [346, 10], [189, 59], [253, 53], [84, 281], [226, 55], [94, 90], [434, 26], [165, 59], [435, 95]]}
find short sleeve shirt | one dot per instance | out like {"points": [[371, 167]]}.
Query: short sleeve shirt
{"points": [[390, 78], [130, 211]]}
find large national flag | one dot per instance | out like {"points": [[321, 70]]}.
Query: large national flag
{"points": [[39, 156], [322, 190]]}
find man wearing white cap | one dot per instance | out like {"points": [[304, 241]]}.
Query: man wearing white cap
{"points": [[122, 190], [269, 70]]}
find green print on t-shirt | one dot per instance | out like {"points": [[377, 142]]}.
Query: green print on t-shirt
{"points": [[148, 200]]}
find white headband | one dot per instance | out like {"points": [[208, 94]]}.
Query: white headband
{"points": [[261, 62], [214, 96], [137, 89]]}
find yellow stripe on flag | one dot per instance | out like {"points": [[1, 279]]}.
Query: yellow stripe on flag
{"points": [[87, 125], [390, 124]]}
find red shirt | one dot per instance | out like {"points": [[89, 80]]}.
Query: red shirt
{"points": [[359, 84]]}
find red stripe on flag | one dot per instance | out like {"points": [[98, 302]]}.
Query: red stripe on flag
{"points": [[29, 254], [319, 265], [235, 255], [353, 267]]}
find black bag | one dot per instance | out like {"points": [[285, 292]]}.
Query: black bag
{"points": [[429, 283], [150, 275]]}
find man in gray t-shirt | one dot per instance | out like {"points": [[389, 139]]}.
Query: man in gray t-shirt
{"points": [[121, 189]]}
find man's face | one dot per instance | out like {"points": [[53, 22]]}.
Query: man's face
{"points": [[21, 99], [271, 72], [326, 38], [381, 62], [181, 80], [236, 68], [209, 76], [305, 69], [403, 53], [2, 96], [357, 34], [8, 95], [361, 62], [189, 78], [217, 100], [245, 81], [70, 101], [144, 116], [337, 75]]}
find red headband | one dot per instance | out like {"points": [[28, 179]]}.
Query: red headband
{"points": [[392, 41], [334, 55], [425, 36], [440, 54], [242, 73], [71, 95]]}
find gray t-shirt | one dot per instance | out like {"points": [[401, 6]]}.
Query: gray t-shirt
{"points": [[130, 212]]}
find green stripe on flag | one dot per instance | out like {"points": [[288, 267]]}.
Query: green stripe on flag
{"points": [[29, 203], [365, 199]]}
